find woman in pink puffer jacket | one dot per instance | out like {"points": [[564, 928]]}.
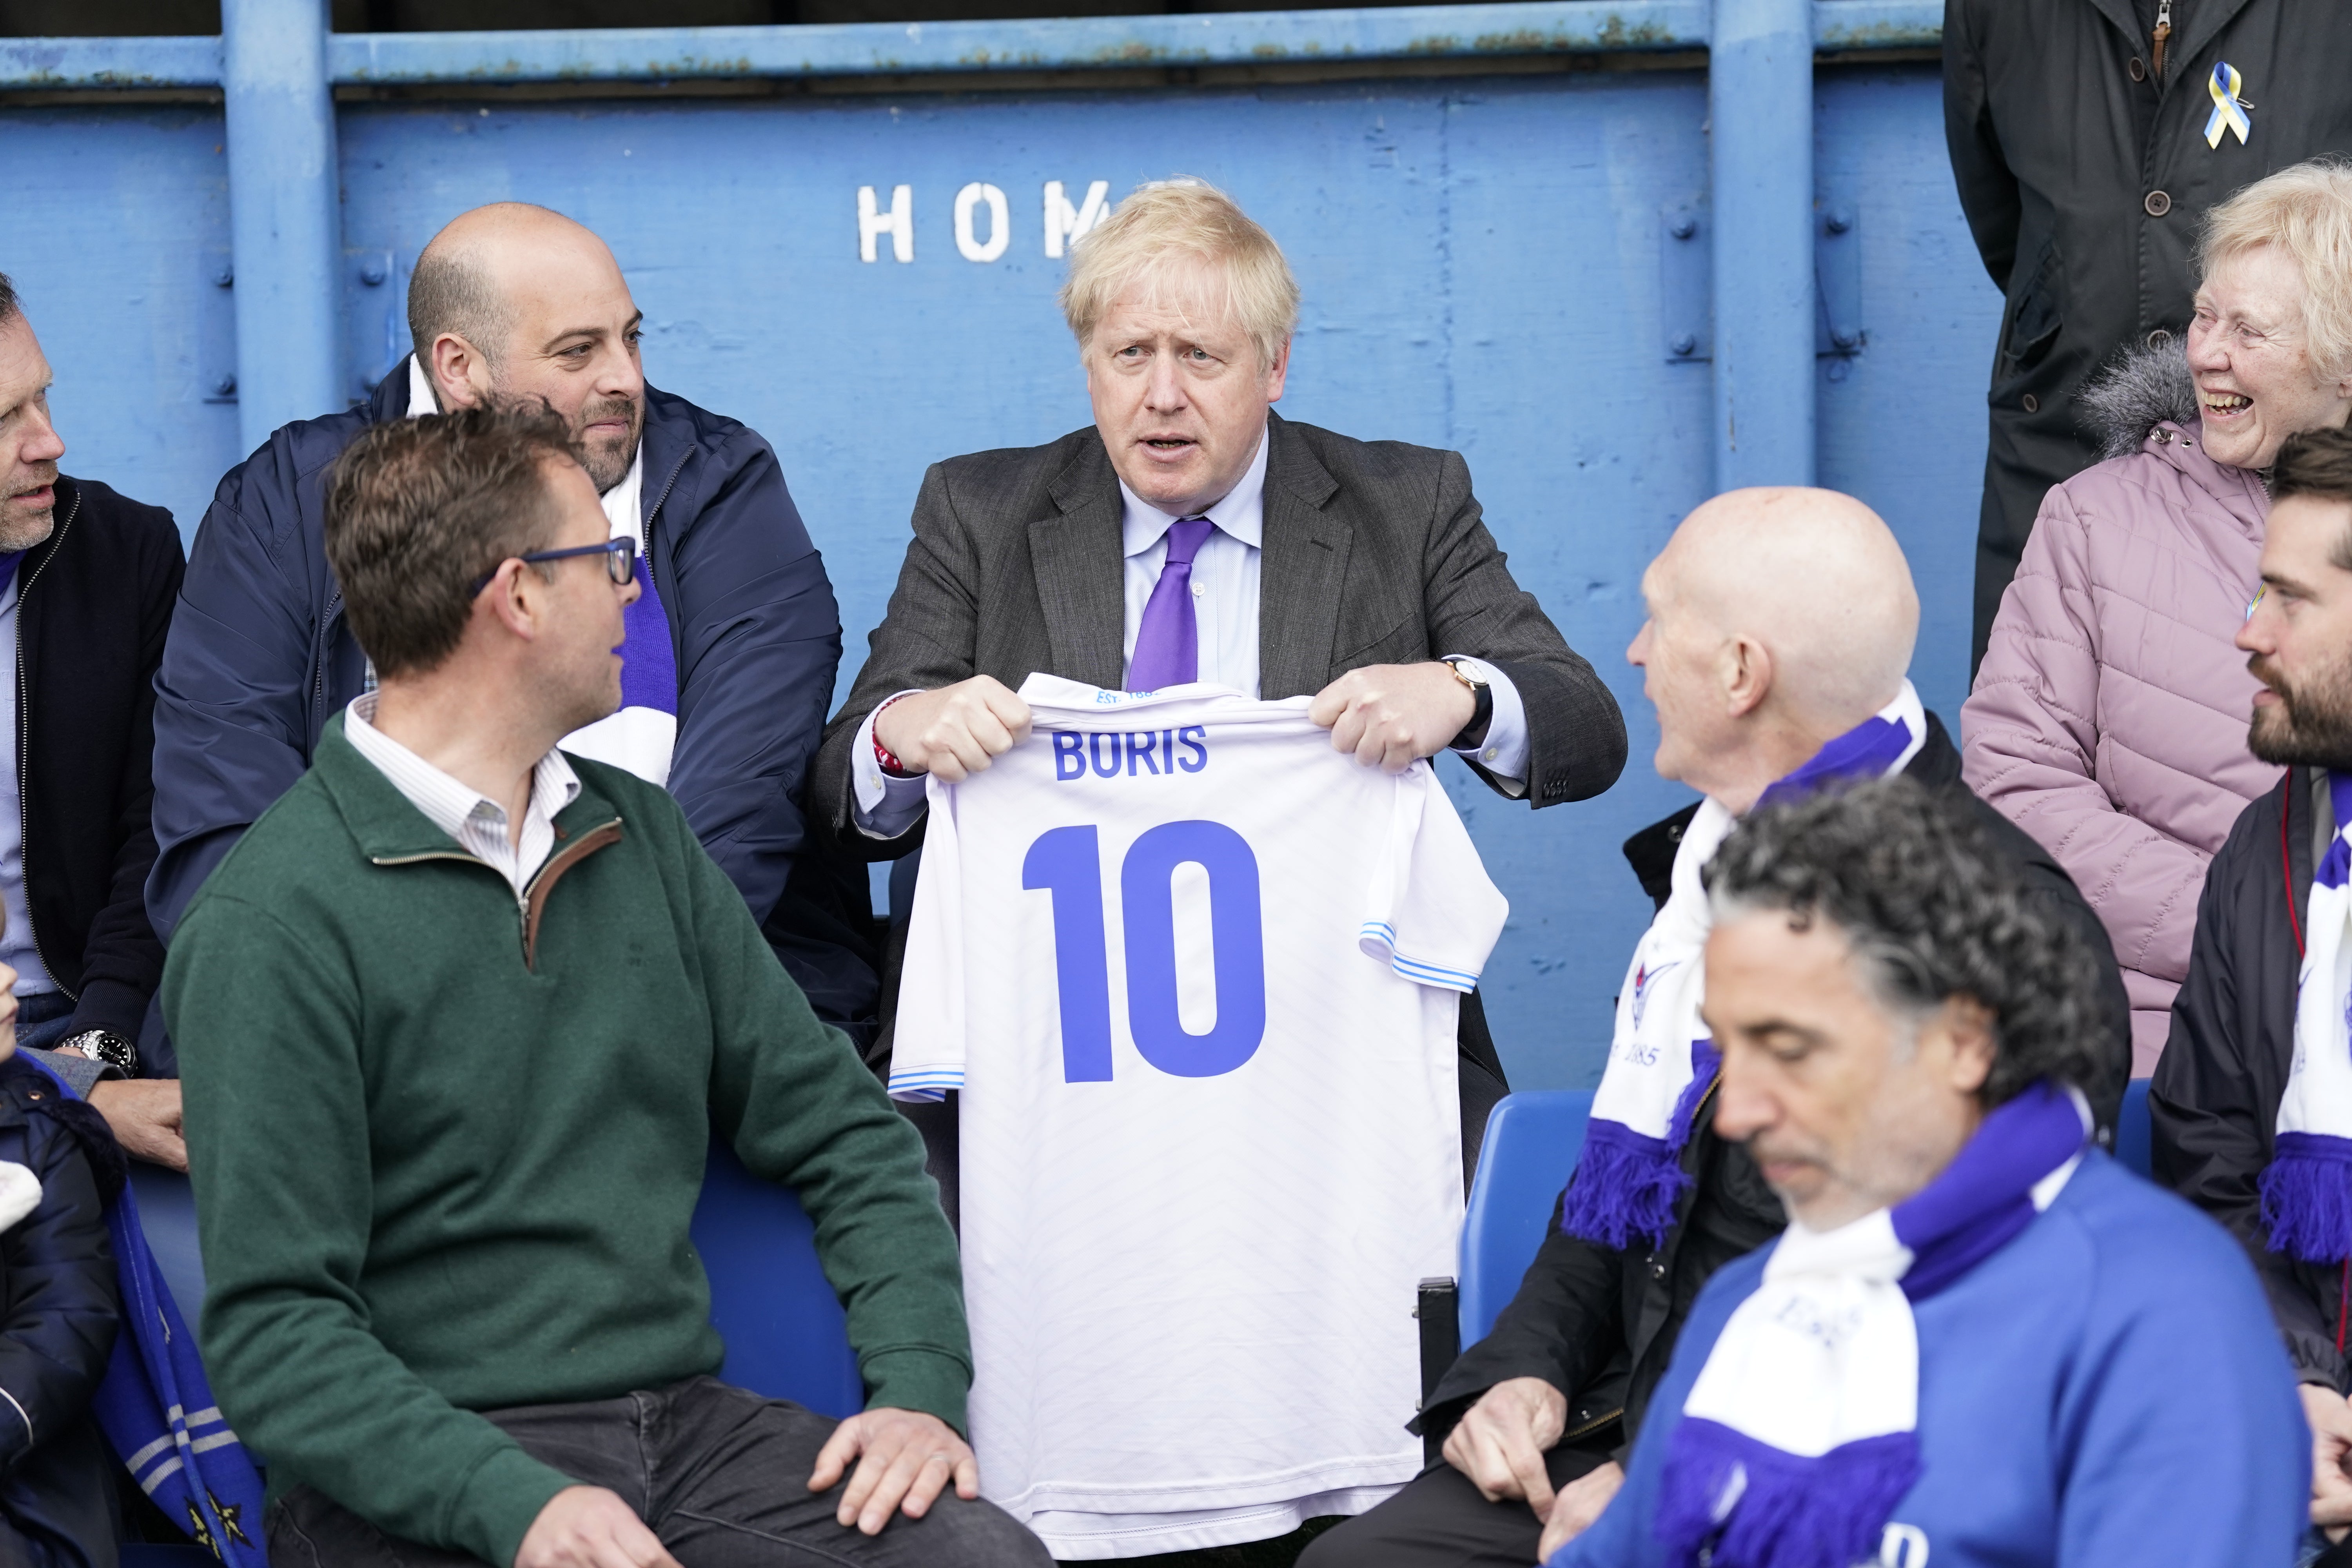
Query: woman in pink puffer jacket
{"points": [[2109, 715]]}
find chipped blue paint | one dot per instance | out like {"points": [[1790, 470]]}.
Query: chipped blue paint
{"points": [[1480, 255], [1053, 44]]}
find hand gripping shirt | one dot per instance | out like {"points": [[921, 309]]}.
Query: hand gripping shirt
{"points": [[1195, 975]]}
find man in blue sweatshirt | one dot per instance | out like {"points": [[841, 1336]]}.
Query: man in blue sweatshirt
{"points": [[730, 651], [1981, 1340]]}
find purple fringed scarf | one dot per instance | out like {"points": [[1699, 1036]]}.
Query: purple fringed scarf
{"points": [[2308, 1188], [1799, 1437], [1660, 1062]]}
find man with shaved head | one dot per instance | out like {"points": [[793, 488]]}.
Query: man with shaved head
{"points": [[1779, 632], [729, 654]]}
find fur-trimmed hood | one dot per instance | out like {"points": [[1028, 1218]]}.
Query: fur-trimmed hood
{"points": [[2146, 388]]}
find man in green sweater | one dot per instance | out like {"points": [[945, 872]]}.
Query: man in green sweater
{"points": [[457, 1019]]}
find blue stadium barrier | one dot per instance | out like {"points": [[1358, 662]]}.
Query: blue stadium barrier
{"points": [[2132, 1131], [1532, 1142]]}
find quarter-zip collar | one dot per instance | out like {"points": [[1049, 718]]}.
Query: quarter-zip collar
{"points": [[391, 832]]}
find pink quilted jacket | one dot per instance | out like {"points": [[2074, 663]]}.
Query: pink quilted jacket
{"points": [[2109, 715]]}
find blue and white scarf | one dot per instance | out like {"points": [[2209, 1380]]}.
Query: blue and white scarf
{"points": [[2308, 1188], [1661, 1060], [1799, 1436], [157, 1410]]}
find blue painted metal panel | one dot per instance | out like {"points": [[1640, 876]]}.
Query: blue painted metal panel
{"points": [[1902, 424], [1760, 109], [118, 281], [283, 211], [1083, 43], [1483, 265], [110, 62], [1079, 43]]}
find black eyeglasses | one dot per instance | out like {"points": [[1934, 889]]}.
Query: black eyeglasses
{"points": [[620, 554]]}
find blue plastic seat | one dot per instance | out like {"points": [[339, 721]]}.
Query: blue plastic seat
{"points": [[769, 1298], [2133, 1134], [1532, 1142]]}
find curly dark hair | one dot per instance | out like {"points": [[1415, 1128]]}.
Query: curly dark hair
{"points": [[1934, 910]]}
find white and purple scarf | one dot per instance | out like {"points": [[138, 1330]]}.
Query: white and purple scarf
{"points": [[1799, 1436], [1660, 1060], [2308, 1188]]}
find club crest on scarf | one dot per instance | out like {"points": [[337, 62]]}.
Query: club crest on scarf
{"points": [[1660, 1060], [1799, 1437], [2308, 1188]]}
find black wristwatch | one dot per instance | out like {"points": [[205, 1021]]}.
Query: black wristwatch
{"points": [[1482, 712], [104, 1045]]}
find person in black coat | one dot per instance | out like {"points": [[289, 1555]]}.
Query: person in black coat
{"points": [[1752, 684], [2214, 1103], [2079, 137], [59, 1313], [87, 581]]}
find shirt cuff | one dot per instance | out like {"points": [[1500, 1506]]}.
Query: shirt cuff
{"points": [[880, 805], [1504, 751]]}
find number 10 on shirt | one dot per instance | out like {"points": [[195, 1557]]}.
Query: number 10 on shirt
{"points": [[1067, 862]]}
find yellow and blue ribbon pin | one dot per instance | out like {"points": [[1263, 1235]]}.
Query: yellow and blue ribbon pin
{"points": [[2229, 109]]}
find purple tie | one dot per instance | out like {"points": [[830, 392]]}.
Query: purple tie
{"points": [[1167, 643]]}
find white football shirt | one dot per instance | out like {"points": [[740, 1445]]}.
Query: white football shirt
{"points": [[1196, 976]]}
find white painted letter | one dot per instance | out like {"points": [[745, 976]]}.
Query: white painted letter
{"points": [[1062, 225], [1000, 222], [899, 223]]}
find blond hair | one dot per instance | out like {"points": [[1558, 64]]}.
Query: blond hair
{"points": [[1173, 222], [2306, 211]]}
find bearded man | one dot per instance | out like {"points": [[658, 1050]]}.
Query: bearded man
{"points": [[731, 647], [2252, 1099]]}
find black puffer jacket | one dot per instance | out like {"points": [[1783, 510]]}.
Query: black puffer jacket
{"points": [[57, 1318], [2214, 1104], [2084, 176], [1599, 1324]]}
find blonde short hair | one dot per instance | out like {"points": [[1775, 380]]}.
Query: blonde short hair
{"points": [[2306, 211], [1177, 221]]}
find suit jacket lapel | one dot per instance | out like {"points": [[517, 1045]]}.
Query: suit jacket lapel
{"points": [[1300, 573], [1079, 562]]}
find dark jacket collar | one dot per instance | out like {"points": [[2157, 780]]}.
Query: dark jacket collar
{"points": [[1651, 852], [62, 516]]}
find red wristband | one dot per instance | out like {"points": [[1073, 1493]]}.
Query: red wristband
{"points": [[882, 754]]}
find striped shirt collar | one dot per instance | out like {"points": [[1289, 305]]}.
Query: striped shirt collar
{"points": [[476, 822]]}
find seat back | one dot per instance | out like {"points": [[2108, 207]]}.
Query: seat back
{"points": [[2134, 1137], [769, 1298], [1532, 1142]]}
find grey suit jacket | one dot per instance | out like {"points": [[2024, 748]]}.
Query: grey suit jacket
{"points": [[1373, 553]]}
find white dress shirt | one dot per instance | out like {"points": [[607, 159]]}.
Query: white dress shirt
{"points": [[1226, 614], [479, 824]]}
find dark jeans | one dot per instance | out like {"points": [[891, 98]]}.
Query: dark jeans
{"points": [[720, 1474], [41, 1019], [1441, 1520]]}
